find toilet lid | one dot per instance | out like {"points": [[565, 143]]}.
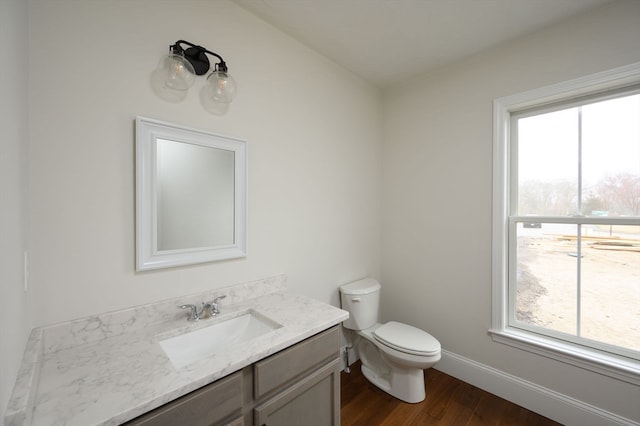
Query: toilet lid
{"points": [[406, 338]]}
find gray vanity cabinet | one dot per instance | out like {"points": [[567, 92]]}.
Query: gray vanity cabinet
{"points": [[299, 385]]}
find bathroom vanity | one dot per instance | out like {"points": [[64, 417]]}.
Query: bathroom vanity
{"points": [[301, 383], [114, 368]]}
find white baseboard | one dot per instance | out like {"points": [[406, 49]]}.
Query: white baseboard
{"points": [[549, 403]]}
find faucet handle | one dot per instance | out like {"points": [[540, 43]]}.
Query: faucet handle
{"points": [[193, 313], [215, 310]]}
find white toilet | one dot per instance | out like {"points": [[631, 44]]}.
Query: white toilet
{"points": [[393, 355]]}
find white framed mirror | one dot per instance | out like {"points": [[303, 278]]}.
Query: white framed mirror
{"points": [[191, 196]]}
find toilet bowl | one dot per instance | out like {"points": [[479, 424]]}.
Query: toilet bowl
{"points": [[393, 355]]}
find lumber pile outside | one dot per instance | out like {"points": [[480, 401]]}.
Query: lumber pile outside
{"points": [[607, 243]]}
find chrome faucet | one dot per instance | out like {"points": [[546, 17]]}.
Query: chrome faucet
{"points": [[209, 309]]}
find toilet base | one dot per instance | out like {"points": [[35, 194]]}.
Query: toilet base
{"points": [[380, 381], [406, 387], [406, 384]]}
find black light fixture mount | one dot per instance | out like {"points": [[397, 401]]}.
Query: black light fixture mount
{"points": [[177, 70], [197, 56]]}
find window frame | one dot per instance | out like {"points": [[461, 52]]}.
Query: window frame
{"points": [[601, 361]]}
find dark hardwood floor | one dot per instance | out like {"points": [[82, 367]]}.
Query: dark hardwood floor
{"points": [[449, 402]]}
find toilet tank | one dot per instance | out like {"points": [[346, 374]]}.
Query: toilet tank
{"points": [[362, 300]]}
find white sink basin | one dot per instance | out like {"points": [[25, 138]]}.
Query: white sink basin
{"points": [[187, 348]]}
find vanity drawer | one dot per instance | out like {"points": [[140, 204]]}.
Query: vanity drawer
{"points": [[286, 365], [211, 404]]}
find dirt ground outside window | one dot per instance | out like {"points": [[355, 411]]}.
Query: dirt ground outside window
{"points": [[610, 286]]}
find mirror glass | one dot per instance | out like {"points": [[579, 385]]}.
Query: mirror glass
{"points": [[190, 195], [195, 195]]}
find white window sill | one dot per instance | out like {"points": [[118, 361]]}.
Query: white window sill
{"points": [[617, 367]]}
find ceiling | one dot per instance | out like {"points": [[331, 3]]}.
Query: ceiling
{"points": [[385, 41]]}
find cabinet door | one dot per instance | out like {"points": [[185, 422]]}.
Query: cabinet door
{"points": [[313, 401], [213, 404]]}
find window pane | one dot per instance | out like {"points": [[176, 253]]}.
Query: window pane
{"points": [[611, 285], [611, 157], [548, 163], [546, 285]]}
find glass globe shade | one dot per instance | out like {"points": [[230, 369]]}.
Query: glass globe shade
{"points": [[221, 87], [177, 72]]}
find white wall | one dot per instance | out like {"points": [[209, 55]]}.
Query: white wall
{"points": [[15, 321], [314, 153], [437, 160]]}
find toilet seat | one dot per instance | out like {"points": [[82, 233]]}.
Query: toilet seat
{"points": [[407, 339]]}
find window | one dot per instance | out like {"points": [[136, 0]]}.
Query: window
{"points": [[566, 243]]}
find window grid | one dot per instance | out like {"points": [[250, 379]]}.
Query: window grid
{"points": [[578, 338]]}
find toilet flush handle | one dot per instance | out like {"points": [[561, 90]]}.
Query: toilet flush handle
{"points": [[355, 299]]}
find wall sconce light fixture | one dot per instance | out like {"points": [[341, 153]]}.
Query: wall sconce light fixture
{"points": [[177, 71]]}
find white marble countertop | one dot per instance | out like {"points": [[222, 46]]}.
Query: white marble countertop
{"points": [[106, 370]]}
